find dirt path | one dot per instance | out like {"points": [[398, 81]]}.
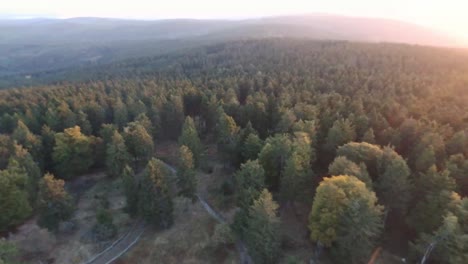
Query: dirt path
{"points": [[123, 244], [241, 248], [120, 246]]}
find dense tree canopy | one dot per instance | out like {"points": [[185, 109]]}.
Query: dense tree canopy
{"points": [[392, 117]]}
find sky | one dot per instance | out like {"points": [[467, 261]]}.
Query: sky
{"points": [[450, 16]]}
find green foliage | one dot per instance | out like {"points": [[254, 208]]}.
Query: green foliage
{"points": [[273, 157], [139, 143], [130, 187], [117, 156], [186, 177], [364, 152], [252, 147], [21, 162], [345, 211], [14, 204], [296, 176], [28, 140], [447, 244], [155, 200], [393, 186], [227, 133], [104, 229], [72, 153], [262, 237], [343, 166], [434, 192], [8, 252], [54, 204], [249, 182], [342, 132], [189, 138]]}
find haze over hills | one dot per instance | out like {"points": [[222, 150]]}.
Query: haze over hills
{"points": [[34, 45]]}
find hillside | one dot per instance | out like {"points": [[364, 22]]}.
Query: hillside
{"points": [[41, 45]]}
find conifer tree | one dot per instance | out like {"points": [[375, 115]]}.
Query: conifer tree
{"points": [[262, 237], [155, 200], [189, 137], [117, 156], [186, 178], [54, 204], [130, 187]]}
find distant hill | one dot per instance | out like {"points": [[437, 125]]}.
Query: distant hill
{"points": [[35, 45]]}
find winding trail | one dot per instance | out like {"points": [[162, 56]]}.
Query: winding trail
{"points": [[120, 246], [127, 241]]}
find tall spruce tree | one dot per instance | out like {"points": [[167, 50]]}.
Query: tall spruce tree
{"points": [[155, 200]]}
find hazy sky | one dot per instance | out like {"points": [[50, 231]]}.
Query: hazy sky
{"points": [[448, 15]]}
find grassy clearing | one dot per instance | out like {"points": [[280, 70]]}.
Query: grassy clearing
{"points": [[189, 240], [74, 246]]}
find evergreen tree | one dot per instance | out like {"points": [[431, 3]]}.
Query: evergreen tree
{"points": [[72, 153], [14, 205], [262, 237], [107, 132], [186, 178], [117, 156], [21, 162], [297, 171], [189, 137], [28, 140], [120, 114], [433, 193], [130, 187], [447, 244], [393, 186], [369, 136], [252, 147], [54, 204], [342, 132], [273, 158], [249, 182], [228, 137], [155, 200], [8, 252], [139, 143], [48, 143]]}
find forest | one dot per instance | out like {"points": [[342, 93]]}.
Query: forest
{"points": [[369, 141]]}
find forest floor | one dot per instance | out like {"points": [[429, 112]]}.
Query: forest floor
{"points": [[75, 243]]}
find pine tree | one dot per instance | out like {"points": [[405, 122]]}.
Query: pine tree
{"points": [[117, 156], [393, 186], [186, 178], [21, 162], [72, 153], [54, 204], [155, 200], [130, 187], [262, 238], [252, 147], [139, 143], [14, 205], [249, 182], [273, 157], [369, 136], [342, 132], [297, 169], [189, 137]]}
